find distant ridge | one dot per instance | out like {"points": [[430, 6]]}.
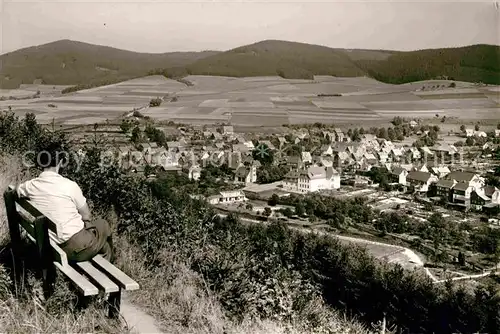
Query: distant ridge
{"points": [[67, 62]]}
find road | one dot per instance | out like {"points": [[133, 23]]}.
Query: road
{"points": [[402, 255], [408, 259]]}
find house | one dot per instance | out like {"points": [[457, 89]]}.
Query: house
{"points": [[396, 154], [339, 135], [227, 197], [174, 146], [444, 189], [488, 195], [398, 175], [441, 171], [370, 158], [326, 150], [497, 133], [341, 159], [227, 130], [282, 141], [294, 162], [461, 193], [165, 159], [421, 180], [471, 179], [426, 151], [246, 174], [413, 123], [422, 168], [306, 157], [249, 144], [480, 134], [414, 153], [469, 132], [312, 179], [194, 173], [383, 157], [241, 148], [446, 150], [268, 144]]}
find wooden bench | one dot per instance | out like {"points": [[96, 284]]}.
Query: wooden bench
{"points": [[90, 277]]}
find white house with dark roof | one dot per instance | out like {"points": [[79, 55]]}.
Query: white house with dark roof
{"points": [[227, 197], [398, 175], [246, 174], [471, 179], [421, 180]]}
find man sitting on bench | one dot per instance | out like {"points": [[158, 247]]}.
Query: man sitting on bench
{"points": [[61, 200]]}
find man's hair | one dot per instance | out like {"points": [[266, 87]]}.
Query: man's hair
{"points": [[50, 153]]}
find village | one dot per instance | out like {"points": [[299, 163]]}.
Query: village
{"points": [[309, 160], [421, 174]]}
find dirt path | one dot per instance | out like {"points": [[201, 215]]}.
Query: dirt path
{"points": [[138, 321]]}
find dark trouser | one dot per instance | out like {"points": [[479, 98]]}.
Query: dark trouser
{"points": [[93, 239]]}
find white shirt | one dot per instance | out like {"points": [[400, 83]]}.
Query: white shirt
{"points": [[59, 199]]}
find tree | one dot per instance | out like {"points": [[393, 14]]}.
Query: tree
{"points": [[452, 85], [443, 119], [155, 102], [273, 200], [469, 141], [396, 121], [263, 154], [125, 126], [267, 211], [498, 126], [462, 128], [299, 209], [136, 135], [249, 206], [476, 127]]}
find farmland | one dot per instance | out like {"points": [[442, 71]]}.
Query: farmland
{"points": [[260, 101]]}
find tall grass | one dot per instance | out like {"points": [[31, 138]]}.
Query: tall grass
{"points": [[180, 301]]}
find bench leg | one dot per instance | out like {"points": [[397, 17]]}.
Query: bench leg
{"points": [[114, 304], [49, 277]]}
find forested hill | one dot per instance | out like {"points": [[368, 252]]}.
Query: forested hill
{"points": [[68, 62], [477, 63], [71, 63]]}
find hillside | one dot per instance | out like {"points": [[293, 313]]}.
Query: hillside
{"points": [[287, 59], [74, 63], [68, 62], [476, 63]]}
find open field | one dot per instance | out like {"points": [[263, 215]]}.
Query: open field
{"points": [[262, 101]]}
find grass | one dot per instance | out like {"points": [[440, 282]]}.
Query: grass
{"points": [[172, 293]]}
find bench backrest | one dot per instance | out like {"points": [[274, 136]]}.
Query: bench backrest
{"points": [[35, 223]]}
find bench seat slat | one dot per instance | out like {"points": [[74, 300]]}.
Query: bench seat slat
{"points": [[120, 278], [98, 277], [87, 288]]}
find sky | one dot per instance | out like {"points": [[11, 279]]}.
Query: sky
{"points": [[166, 26]]}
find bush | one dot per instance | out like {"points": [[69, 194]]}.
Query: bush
{"points": [[155, 102]]}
